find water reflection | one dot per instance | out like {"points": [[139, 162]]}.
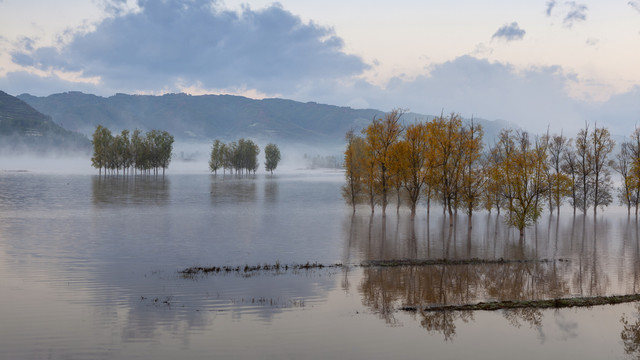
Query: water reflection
{"points": [[233, 189], [444, 322], [630, 334], [83, 263], [130, 190], [559, 258], [271, 188]]}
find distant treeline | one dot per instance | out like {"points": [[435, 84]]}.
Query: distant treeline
{"points": [[241, 157], [444, 159], [146, 153], [322, 162]]}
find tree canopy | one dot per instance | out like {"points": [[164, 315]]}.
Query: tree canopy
{"points": [[272, 157]]}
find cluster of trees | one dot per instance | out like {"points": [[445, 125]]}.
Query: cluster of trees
{"points": [[241, 156], [444, 159], [125, 151]]}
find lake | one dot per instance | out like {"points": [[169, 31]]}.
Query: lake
{"points": [[90, 268]]}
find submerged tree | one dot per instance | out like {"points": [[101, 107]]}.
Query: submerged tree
{"points": [[355, 169], [102, 140], [380, 136], [272, 157], [216, 160], [473, 177], [602, 145], [412, 162], [523, 170], [584, 169], [623, 165], [447, 140], [559, 183]]}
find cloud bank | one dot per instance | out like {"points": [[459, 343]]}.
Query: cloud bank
{"points": [[187, 42]]}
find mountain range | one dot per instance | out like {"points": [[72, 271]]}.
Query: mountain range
{"points": [[226, 117]]}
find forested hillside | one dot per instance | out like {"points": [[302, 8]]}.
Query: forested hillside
{"points": [[23, 128]]}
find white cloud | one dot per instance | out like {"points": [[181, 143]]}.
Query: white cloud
{"points": [[550, 5], [509, 32], [592, 41], [576, 13]]}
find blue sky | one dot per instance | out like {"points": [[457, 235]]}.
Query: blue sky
{"points": [[534, 63]]}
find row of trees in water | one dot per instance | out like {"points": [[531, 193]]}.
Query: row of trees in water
{"points": [[152, 151], [241, 157], [444, 159], [146, 153]]}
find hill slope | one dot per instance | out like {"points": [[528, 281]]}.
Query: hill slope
{"points": [[202, 118], [22, 128]]}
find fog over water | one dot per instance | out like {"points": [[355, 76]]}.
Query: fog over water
{"points": [[188, 158], [90, 268]]}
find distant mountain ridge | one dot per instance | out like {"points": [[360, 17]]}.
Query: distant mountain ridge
{"points": [[206, 117], [22, 128]]}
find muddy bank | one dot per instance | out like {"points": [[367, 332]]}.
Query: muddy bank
{"points": [[473, 261], [194, 270], [537, 304]]}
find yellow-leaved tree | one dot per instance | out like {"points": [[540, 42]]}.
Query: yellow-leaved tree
{"points": [[523, 171], [355, 164], [380, 136]]}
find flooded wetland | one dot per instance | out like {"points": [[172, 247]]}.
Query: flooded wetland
{"points": [[94, 268]]}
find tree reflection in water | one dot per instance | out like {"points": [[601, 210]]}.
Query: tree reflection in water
{"points": [[384, 290], [630, 334], [565, 257], [444, 322]]}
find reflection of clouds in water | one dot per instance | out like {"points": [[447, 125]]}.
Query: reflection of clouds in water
{"points": [[568, 327]]}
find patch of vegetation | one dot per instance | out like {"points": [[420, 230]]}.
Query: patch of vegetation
{"points": [[537, 304], [195, 270]]}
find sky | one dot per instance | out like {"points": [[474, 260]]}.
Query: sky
{"points": [[548, 64]]}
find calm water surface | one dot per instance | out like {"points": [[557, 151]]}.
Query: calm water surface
{"points": [[89, 269]]}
